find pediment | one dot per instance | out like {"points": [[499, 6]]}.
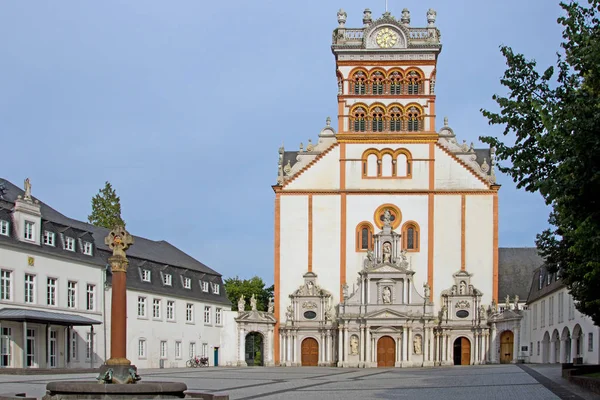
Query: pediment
{"points": [[256, 316], [387, 268], [386, 313]]}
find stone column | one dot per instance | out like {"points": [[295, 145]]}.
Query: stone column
{"points": [[493, 352], [369, 344], [573, 349], [242, 349], [409, 345], [404, 337], [270, 348], [118, 240], [552, 357], [515, 345], [361, 353], [346, 342], [290, 344], [340, 345]]}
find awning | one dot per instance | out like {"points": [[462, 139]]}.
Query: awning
{"points": [[45, 317]]}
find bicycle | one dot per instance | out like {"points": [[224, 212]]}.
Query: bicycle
{"points": [[196, 362]]}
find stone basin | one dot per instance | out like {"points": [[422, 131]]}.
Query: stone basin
{"points": [[93, 390]]}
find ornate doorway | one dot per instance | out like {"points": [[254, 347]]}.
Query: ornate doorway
{"points": [[254, 349], [506, 347], [310, 352], [386, 352], [462, 351]]}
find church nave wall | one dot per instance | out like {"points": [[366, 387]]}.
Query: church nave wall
{"points": [[324, 174], [450, 174], [326, 244], [479, 243], [447, 242]]}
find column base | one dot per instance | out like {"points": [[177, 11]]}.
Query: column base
{"points": [[428, 364], [241, 364]]}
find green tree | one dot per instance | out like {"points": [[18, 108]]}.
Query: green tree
{"points": [[552, 145], [106, 208], [235, 287]]}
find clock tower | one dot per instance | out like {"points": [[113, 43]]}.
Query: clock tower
{"points": [[386, 76]]}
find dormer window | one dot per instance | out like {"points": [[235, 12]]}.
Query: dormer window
{"points": [[69, 243], [146, 275], [549, 276], [205, 286], [87, 248], [49, 238], [187, 283], [167, 279], [216, 288], [29, 233], [541, 283], [3, 227]]}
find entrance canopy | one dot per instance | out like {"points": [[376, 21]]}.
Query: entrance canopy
{"points": [[45, 317]]}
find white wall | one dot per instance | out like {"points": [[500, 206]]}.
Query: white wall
{"points": [[326, 240]]}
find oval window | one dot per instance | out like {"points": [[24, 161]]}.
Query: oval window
{"points": [[310, 315], [462, 313]]}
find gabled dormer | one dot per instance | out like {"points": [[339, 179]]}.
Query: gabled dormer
{"points": [[27, 217]]}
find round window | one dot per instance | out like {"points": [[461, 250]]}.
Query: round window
{"points": [[310, 315], [462, 313]]}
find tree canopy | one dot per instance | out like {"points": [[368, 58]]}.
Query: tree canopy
{"points": [[551, 145], [235, 287], [106, 208]]}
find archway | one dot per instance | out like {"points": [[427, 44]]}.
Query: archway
{"points": [[578, 338], [546, 348], [462, 351], [507, 339], [386, 352], [565, 338], [254, 349], [556, 346], [310, 352]]}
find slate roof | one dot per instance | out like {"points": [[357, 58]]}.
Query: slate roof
{"points": [[536, 292], [21, 314], [155, 253], [516, 267]]}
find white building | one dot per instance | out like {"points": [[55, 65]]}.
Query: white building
{"points": [[386, 231], [55, 294]]}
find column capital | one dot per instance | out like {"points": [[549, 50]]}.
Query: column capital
{"points": [[118, 263]]}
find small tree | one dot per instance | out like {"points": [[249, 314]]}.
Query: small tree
{"points": [[236, 287], [106, 208]]}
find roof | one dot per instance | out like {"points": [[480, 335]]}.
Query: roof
{"points": [[516, 266], [21, 314], [158, 251], [542, 284]]}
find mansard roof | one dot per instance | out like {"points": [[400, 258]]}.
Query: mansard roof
{"points": [[516, 268], [156, 251], [537, 291]]}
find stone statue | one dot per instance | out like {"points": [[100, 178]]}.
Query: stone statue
{"points": [[289, 312], [354, 345], [367, 19], [345, 290], [329, 314], [271, 307], [341, 17], [27, 187], [253, 302], [417, 344], [482, 312], [443, 312], [387, 252], [118, 240], [426, 290], [462, 288], [516, 301], [386, 296], [241, 303], [453, 290], [387, 218], [431, 15], [507, 303], [368, 263], [310, 288]]}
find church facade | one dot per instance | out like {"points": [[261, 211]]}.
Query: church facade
{"points": [[386, 230]]}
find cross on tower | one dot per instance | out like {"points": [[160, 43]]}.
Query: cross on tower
{"points": [[386, 5]]}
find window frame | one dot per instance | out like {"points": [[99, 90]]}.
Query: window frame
{"points": [[187, 283], [360, 236], [416, 238], [51, 289], [170, 309], [71, 300], [6, 284], [29, 231], [29, 287], [157, 309], [142, 348], [49, 238], [207, 315], [90, 297], [88, 248], [142, 305], [189, 313], [69, 243], [4, 227], [146, 275]]}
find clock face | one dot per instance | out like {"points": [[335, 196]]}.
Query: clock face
{"points": [[386, 38]]}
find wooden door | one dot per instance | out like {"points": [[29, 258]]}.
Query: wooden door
{"points": [[386, 352], [465, 351], [506, 347], [310, 352]]}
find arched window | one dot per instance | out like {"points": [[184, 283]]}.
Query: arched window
{"points": [[386, 165], [403, 163], [364, 236], [359, 120], [360, 83], [413, 82], [396, 83], [410, 236], [377, 82], [377, 119], [413, 118], [395, 119], [370, 165]]}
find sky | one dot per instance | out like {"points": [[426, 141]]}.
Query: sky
{"points": [[182, 106]]}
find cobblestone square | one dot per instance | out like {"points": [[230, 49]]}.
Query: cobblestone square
{"points": [[470, 382]]}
